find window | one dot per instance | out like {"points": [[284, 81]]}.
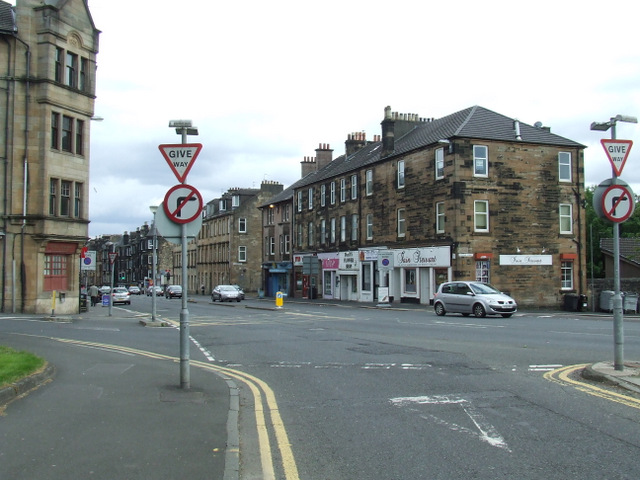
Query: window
{"points": [[366, 277], [310, 196], [272, 246], [482, 271], [72, 69], [242, 253], [410, 280], [67, 133], [480, 161], [333, 230], [401, 223], [311, 234], [566, 218], [354, 227], [84, 74], [481, 216], [242, 225], [59, 65], [53, 196], [564, 166], [271, 215], [79, 134], [566, 273], [235, 201], [439, 163], [401, 174], [287, 244], [55, 272], [370, 226], [77, 200], [223, 205], [286, 213], [354, 187], [323, 195], [299, 235], [55, 130], [299, 200], [343, 228], [440, 217], [323, 231], [369, 182], [281, 244], [65, 198], [332, 198], [343, 189]]}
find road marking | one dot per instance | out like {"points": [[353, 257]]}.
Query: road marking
{"points": [[543, 368], [561, 377], [268, 404], [486, 432]]}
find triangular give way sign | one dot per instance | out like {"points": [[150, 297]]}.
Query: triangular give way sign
{"points": [[617, 151], [180, 157]]}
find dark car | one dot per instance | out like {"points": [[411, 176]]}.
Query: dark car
{"points": [[226, 293], [173, 291], [477, 298]]}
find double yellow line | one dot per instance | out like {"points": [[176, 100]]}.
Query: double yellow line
{"points": [[267, 413], [562, 377]]}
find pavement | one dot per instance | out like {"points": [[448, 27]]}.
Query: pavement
{"points": [[146, 399]]}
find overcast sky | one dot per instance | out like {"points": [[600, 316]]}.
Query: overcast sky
{"points": [[266, 82]]}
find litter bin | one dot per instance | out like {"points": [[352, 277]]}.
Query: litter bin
{"points": [[606, 300], [630, 302], [570, 302], [83, 302]]}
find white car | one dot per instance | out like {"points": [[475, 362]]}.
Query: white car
{"points": [[477, 298]]}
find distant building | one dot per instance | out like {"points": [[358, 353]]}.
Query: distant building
{"points": [[48, 73], [629, 249]]}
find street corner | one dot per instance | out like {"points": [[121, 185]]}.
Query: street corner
{"points": [[25, 385], [605, 372]]}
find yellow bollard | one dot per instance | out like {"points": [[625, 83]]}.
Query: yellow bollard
{"points": [[53, 302], [279, 299]]}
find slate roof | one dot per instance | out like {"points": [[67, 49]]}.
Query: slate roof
{"points": [[629, 248], [473, 122], [7, 21]]}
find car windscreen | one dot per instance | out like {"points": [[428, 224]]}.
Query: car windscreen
{"points": [[483, 288]]}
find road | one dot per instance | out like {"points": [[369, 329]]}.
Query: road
{"points": [[360, 393]]}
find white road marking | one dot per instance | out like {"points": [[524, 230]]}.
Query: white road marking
{"points": [[486, 432]]}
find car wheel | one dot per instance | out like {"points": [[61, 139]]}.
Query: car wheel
{"points": [[238, 300], [506, 315], [439, 308], [479, 311]]}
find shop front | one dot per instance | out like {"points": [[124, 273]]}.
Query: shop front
{"points": [[417, 272]]}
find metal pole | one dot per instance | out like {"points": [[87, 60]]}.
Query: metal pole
{"points": [[153, 269], [618, 311], [113, 266], [185, 375]]}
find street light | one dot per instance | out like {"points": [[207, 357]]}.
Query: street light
{"points": [[154, 209], [112, 261], [618, 329]]}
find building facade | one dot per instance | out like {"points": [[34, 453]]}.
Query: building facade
{"points": [[48, 68], [474, 195]]}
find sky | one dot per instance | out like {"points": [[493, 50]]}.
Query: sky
{"points": [[266, 82]]}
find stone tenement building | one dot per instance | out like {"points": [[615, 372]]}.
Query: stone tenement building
{"points": [[475, 195], [228, 249], [47, 77]]}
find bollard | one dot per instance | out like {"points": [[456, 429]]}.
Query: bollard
{"points": [[279, 299]]}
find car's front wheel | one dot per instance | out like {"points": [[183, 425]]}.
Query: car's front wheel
{"points": [[439, 308], [479, 311], [506, 315]]}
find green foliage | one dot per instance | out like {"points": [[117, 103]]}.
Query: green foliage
{"points": [[16, 365]]}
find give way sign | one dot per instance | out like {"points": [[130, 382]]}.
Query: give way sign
{"points": [[617, 151], [180, 157]]}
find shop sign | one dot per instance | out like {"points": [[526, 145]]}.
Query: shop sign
{"points": [[527, 260], [422, 257], [349, 261]]}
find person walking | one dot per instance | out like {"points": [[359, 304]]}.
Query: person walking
{"points": [[94, 294]]}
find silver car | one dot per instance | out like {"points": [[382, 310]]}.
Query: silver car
{"points": [[477, 298], [121, 295], [225, 292]]}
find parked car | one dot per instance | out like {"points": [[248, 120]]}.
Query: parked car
{"points": [[226, 292], [240, 291], [121, 295], [104, 290], [173, 291], [477, 298], [133, 290], [158, 291]]}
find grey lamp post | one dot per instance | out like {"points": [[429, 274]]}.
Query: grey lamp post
{"points": [[184, 128], [618, 329], [154, 267]]}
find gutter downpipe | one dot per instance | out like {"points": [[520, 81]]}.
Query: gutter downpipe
{"points": [[5, 162], [23, 271]]}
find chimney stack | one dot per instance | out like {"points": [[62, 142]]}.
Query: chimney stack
{"points": [[355, 141], [308, 166], [324, 155]]}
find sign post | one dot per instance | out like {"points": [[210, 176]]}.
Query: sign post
{"points": [[112, 261]]}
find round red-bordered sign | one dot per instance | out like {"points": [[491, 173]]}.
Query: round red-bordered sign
{"points": [[182, 203], [617, 203]]}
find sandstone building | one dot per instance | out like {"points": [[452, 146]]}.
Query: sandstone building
{"points": [[47, 76]]}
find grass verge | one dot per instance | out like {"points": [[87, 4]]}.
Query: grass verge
{"points": [[15, 365]]}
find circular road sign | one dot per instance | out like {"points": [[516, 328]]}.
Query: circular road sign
{"points": [[183, 203], [617, 203]]}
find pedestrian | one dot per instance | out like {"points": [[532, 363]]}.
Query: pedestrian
{"points": [[94, 294], [202, 289]]}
